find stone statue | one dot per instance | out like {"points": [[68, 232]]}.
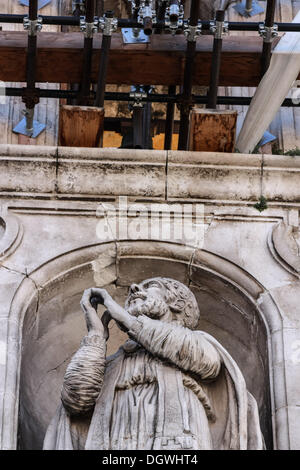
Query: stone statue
{"points": [[168, 387]]}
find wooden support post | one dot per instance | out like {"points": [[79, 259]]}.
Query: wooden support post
{"points": [[80, 126], [212, 130]]}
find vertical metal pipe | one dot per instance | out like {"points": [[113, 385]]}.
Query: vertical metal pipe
{"points": [[186, 102], [77, 12], [33, 9], [31, 49], [248, 6], [147, 125], [160, 15], [169, 120], [137, 125], [87, 54], [105, 46], [267, 45], [215, 64]]}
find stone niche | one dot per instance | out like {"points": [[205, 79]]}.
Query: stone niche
{"points": [[54, 325]]}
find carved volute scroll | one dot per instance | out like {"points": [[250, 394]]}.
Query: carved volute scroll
{"points": [[285, 243], [10, 234]]}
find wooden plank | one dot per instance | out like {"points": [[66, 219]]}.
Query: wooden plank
{"points": [[81, 126], [212, 130], [160, 62]]}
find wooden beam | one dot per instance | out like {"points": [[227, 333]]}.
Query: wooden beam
{"points": [[159, 63], [212, 130], [80, 126]]}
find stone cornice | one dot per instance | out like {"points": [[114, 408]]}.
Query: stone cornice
{"points": [[93, 174]]}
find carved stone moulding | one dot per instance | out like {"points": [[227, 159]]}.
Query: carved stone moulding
{"points": [[10, 234], [284, 244]]}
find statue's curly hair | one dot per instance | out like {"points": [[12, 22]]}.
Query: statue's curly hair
{"points": [[181, 300]]}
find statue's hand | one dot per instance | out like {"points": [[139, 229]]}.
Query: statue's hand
{"points": [[89, 301], [94, 296], [106, 318]]}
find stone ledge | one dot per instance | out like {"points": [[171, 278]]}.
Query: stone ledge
{"points": [[64, 172]]}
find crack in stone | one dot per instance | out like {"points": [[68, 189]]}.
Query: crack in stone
{"points": [[113, 239], [36, 286], [262, 174], [53, 369], [13, 270], [61, 363], [38, 289]]}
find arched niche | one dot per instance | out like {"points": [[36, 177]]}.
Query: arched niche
{"points": [[53, 323]]}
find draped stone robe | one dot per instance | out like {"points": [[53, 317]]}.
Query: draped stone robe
{"points": [[151, 394]]}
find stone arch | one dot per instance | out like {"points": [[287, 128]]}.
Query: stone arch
{"points": [[207, 274]]}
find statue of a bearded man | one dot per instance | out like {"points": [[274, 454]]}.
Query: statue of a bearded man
{"points": [[168, 387]]}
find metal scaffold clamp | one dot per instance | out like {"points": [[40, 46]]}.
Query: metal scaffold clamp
{"points": [[32, 26], [191, 32], [146, 11], [78, 5], [268, 33], [108, 25], [177, 12], [137, 94], [218, 28], [89, 29]]}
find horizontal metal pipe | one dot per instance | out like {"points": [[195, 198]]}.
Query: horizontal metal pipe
{"points": [[152, 98], [127, 23]]}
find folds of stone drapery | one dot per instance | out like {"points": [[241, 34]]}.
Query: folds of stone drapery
{"points": [[273, 89]]}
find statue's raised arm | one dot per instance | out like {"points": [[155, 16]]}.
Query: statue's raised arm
{"points": [[84, 375]]}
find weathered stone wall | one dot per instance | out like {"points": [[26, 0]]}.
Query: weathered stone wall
{"points": [[244, 272]]}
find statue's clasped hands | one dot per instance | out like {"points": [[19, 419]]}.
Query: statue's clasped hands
{"points": [[89, 301]]}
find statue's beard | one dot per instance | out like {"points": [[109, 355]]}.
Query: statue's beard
{"points": [[151, 307]]}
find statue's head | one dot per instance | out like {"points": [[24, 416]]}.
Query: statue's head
{"points": [[165, 299]]}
